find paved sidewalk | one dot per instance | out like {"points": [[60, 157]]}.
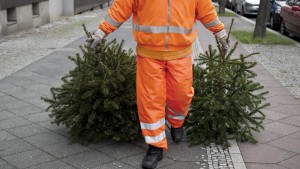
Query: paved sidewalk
{"points": [[279, 143], [29, 140]]}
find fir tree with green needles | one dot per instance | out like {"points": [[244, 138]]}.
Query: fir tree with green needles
{"points": [[227, 103], [97, 98]]}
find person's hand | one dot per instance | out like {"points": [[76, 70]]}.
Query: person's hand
{"points": [[97, 37], [223, 39], [224, 44]]}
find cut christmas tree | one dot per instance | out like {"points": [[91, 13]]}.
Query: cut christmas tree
{"points": [[227, 104], [97, 98]]}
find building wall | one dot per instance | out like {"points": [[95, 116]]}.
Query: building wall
{"points": [[24, 18], [55, 9], [68, 7]]}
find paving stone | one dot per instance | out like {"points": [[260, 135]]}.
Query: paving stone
{"points": [[262, 153], [50, 126], [88, 159], [40, 88], [64, 150], [183, 152], [287, 109], [239, 165], [46, 139], [20, 81], [5, 85], [38, 102], [278, 91], [21, 93], [4, 135], [5, 165], [53, 70], [295, 135], [288, 100], [281, 128], [237, 158], [273, 115], [57, 164], [29, 130], [6, 98], [40, 78], [120, 150], [13, 146], [293, 120], [29, 158], [14, 122], [64, 132], [38, 117], [292, 163], [136, 160], [181, 165], [263, 166], [2, 94], [114, 165], [270, 83], [265, 136], [24, 111], [267, 121], [287, 143], [6, 115], [264, 78], [102, 143], [14, 105]]}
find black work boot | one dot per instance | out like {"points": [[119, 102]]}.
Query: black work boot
{"points": [[177, 134], [154, 154]]}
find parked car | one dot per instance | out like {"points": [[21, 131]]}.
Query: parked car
{"points": [[290, 18], [247, 7], [230, 4], [274, 19]]}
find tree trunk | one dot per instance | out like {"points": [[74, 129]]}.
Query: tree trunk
{"points": [[261, 21], [222, 6]]}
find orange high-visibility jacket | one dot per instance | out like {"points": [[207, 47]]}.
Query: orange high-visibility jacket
{"points": [[163, 28]]}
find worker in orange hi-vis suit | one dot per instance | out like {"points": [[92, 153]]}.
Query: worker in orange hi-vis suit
{"points": [[164, 31]]}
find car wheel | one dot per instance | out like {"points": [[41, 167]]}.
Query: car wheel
{"points": [[282, 28], [243, 11], [272, 24], [236, 9]]}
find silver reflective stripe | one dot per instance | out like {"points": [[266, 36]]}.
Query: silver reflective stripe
{"points": [[212, 23], [173, 111], [163, 29], [153, 126], [168, 28], [176, 117], [155, 139], [176, 29], [112, 22]]}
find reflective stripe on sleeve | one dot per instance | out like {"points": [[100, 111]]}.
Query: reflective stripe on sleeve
{"points": [[112, 22], [155, 139], [153, 126], [212, 23], [163, 29]]}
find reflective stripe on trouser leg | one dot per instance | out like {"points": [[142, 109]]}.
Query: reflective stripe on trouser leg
{"points": [[179, 90], [151, 100]]}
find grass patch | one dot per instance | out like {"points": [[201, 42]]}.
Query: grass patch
{"points": [[228, 14], [271, 38]]}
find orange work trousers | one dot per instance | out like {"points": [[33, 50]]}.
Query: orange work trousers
{"points": [[164, 91]]}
